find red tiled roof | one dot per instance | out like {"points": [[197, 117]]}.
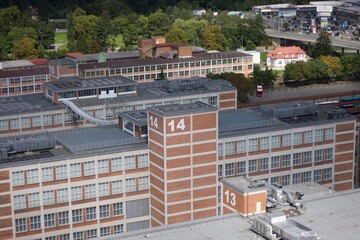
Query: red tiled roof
{"points": [[74, 54], [285, 52], [39, 61], [24, 72]]}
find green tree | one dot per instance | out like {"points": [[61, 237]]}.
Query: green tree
{"points": [[334, 67], [159, 23], [317, 70], [250, 45], [351, 65], [143, 24], [17, 33], [103, 29], [9, 18], [25, 48], [193, 29], [176, 35], [213, 39], [46, 34], [263, 77], [322, 47], [296, 72], [130, 35], [245, 86], [286, 26]]}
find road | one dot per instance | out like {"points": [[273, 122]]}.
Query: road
{"points": [[301, 36]]}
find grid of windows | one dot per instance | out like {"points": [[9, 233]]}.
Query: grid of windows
{"points": [[104, 189], [47, 174], [241, 167], [274, 180], [62, 195], [116, 187], [130, 162], [76, 193], [104, 231], [308, 135], [32, 176], [143, 160], [319, 136], [75, 170], [130, 185], [275, 141], [63, 218], [89, 168], [329, 133], [35, 223], [286, 140], [286, 160], [296, 178], [308, 157], [18, 178], [328, 154], [144, 183], [64, 236], [61, 172], [275, 162], [34, 199], [264, 164], [118, 229], [253, 145], [20, 225], [296, 159], [48, 197], [317, 175], [253, 165], [297, 138], [229, 169], [103, 166], [241, 146], [229, 148], [49, 220], [264, 143], [220, 149], [318, 155], [307, 176], [78, 236], [77, 215], [117, 209], [104, 211], [19, 202], [90, 213], [328, 173], [90, 191], [220, 170], [116, 164], [285, 180]]}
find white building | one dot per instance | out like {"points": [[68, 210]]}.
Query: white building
{"points": [[281, 56]]}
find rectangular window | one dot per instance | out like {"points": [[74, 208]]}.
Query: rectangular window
{"points": [[47, 120], [253, 145], [64, 236], [35, 223], [264, 164], [285, 180], [307, 176], [143, 160], [296, 159], [19, 202], [329, 133], [220, 170], [297, 138], [241, 167], [264, 143], [286, 160], [241, 146], [229, 148], [308, 157], [253, 165], [318, 155], [274, 180], [118, 229], [90, 191], [90, 213], [144, 183], [49, 220], [62, 195], [48, 197], [20, 225], [319, 136], [78, 236], [25, 122], [47, 174], [116, 164], [286, 140], [18, 178], [328, 173], [275, 162], [76, 193], [75, 170], [89, 168], [317, 175], [275, 141], [104, 231], [296, 178], [229, 169], [117, 187], [130, 162], [220, 149], [63, 218], [130, 185], [32, 176], [34, 199], [61, 172], [104, 189], [328, 154], [117, 209], [104, 211], [308, 137], [77, 215], [103, 166]]}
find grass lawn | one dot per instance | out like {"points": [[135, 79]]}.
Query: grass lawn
{"points": [[61, 37], [279, 73], [263, 56]]}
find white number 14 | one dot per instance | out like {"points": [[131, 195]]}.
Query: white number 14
{"points": [[180, 125]]}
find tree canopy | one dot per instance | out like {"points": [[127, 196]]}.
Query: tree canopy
{"points": [[322, 47]]}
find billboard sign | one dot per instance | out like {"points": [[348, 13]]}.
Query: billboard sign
{"points": [[323, 14], [327, 9]]}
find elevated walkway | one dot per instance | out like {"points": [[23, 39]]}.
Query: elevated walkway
{"points": [[86, 116]]}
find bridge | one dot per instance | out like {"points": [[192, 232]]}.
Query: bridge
{"points": [[311, 38]]}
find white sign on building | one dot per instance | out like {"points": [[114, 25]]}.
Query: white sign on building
{"points": [[327, 9]]}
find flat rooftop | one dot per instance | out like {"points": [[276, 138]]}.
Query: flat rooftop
{"points": [[180, 109], [11, 73], [241, 184]]}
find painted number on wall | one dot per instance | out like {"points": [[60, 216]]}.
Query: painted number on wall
{"points": [[180, 125], [230, 197], [154, 122]]}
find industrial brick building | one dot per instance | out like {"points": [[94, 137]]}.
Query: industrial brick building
{"points": [[167, 160]]}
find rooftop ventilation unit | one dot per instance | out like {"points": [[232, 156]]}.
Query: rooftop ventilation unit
{"points": [[289, 110]]}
